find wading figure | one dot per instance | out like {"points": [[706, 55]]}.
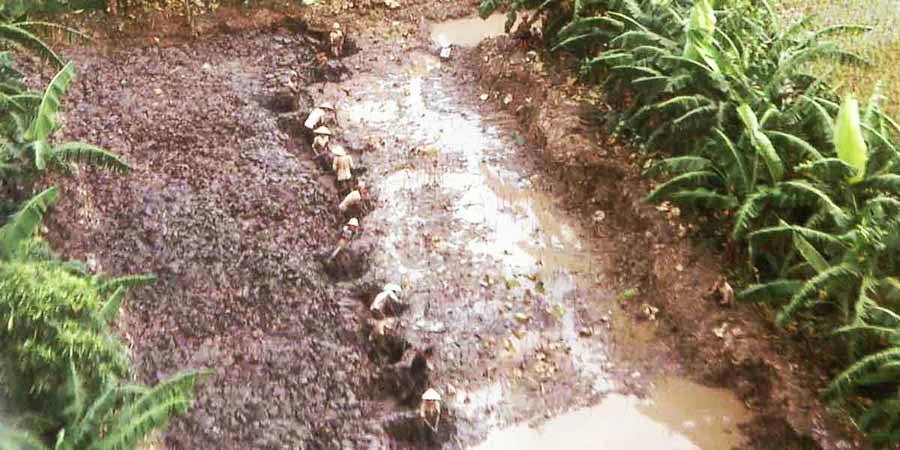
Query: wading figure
{"points": [[336, 38], [354, 201], [321, 141], [386, 300], [347, 233], [430, 409], [342, 165], [320, 116]]}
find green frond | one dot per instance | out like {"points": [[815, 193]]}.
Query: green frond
{"points": [[75, 395], [809, 253], [127, 282], [777, 290], [150, 411], [44, 122], [699, 116], [683, 181], [90, 154], [829, 169], [750, 210], [761, 142], [881, 332], [12, 33], [624, 18], [22, 225], [797, 143], [845, 381], [888, 182], [113, 304], [841, 28], [680, 164], [18, 440], [88, 426], [608, 25], [871, 116], [810, 234], [815, 284], [578, 38], [703, 198], [683, 103], [635, 71], [805, 188], [736, 158], [635, 38]]}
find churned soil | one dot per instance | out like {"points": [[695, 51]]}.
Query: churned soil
{"points": [[225, 208], [664, 257]]}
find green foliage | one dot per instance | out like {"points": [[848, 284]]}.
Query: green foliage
{"points": [[22, 225], [751, 133], [59, 356], [53, 320]]}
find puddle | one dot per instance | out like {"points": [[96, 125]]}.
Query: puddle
{"points": [[500, 279], [681, 416], [468, 32]]}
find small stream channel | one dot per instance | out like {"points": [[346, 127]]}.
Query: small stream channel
{"points": [[499, 279]]}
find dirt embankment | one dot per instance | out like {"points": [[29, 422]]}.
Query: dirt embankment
{"points": [[230, 217], [599, 177], [226, 210]]}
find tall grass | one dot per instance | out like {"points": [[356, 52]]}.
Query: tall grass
{"points": [[880, 46]]}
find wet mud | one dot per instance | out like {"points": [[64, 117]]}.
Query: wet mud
{"points": [[511, 307]]}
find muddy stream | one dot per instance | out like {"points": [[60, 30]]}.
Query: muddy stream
{"points": [[499, 280]]}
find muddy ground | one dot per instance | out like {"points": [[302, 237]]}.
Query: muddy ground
{"points": [[227, 207]]}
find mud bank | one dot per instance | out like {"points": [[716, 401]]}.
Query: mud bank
{"points": [[229, 216], [513, 297], [485, 211], [598, 178]]}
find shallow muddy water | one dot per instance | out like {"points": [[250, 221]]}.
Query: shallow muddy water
{"points": [[680, 416], [469, 31], [499, 280]]}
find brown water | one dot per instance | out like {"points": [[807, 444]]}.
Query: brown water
{"points": [[501, 280], [468, 32], [680, 416]]}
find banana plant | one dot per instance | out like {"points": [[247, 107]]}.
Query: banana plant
{"points": [[30, 149]]}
